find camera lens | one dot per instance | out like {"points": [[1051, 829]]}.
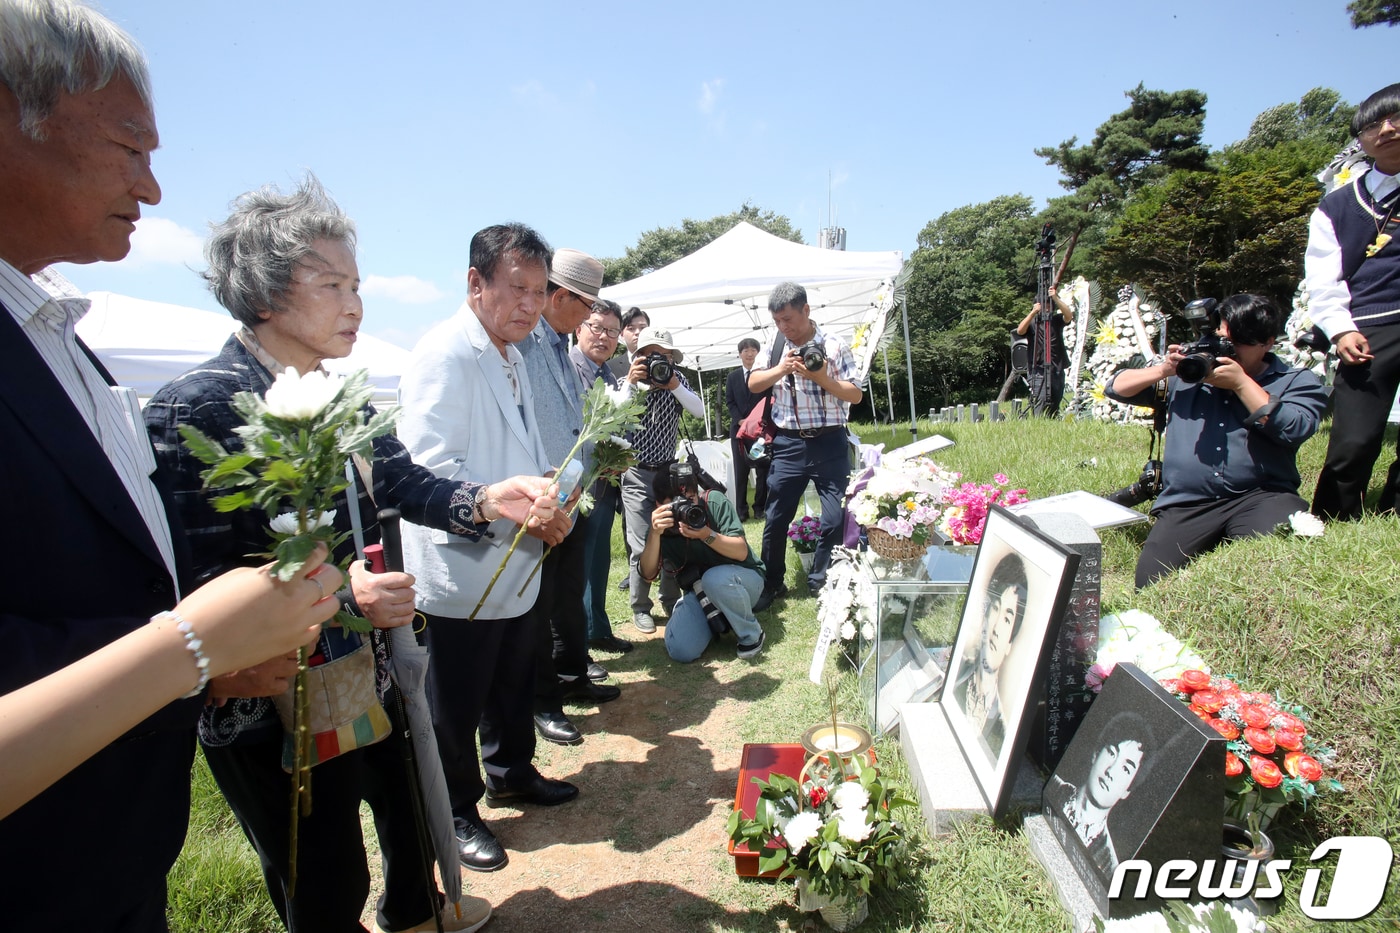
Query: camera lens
{"points": [[813, 357], [1195, 367], [659, 369]]}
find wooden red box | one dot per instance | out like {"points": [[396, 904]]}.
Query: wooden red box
{"points": [[760, 761]]}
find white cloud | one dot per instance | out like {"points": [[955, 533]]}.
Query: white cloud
{"points": [[161, 241], [709, 94], [405, 289]]}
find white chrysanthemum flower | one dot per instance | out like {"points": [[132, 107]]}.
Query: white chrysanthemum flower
{"points": [[301, 398], [802, 829], [851, 796], [620, 442], [853, 825], [286, 523], [848, 630], [1306, 525], [867, 631]]}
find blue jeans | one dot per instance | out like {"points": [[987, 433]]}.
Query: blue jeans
{"points": [[597, 560], [733, 589], [826, 463]]}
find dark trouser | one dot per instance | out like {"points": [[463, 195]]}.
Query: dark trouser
{"points": [[739, 449], [332, 877], [826, 462], [1183, 531], [638, 502], [1362, 396], [597, 559], [481, 677], [1047, 384], [561, 631]]}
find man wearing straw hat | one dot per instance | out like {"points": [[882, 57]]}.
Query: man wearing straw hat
{"points": [[561, 656]]}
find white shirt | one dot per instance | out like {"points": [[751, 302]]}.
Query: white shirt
{"points": [[112, 413], [1329, 298]]}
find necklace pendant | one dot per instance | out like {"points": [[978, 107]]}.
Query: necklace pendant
{"points": [[1376, 247]]}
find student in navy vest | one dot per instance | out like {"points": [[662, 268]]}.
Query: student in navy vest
{"points": [[1353, 282]]}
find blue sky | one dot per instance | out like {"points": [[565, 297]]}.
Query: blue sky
{"points": [[594, 122]]}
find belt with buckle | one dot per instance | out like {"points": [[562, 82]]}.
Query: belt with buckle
{"points": [[659, 465], [809, 433]]}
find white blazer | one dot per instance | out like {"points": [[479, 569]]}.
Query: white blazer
{"points": [[460, 420]]}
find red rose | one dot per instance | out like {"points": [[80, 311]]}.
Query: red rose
{"points": [[1172, 685], [1288, 740], [1291, 723], [1194, 680], [1265, 772], [818, 796], [1261, 699], [1303, 766], [1260, 741], [1208, 700], [1226, 728], [1226, 686], [1233, 766], [1256, 716]]}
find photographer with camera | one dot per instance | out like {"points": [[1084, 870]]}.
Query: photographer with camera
{"points": [[698, 540], [1236, 416], [653, 371], [1048, 358], [812, 377]]}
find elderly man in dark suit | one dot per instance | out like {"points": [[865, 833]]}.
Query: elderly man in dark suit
{"points": [[87, 505]]}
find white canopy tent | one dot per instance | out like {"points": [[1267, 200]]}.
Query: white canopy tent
{"points": [[145, 344], [718, 295]]}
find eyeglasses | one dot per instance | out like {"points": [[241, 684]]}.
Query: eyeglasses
{"points": [[1374, 127], [586, 302], [602, 331]]}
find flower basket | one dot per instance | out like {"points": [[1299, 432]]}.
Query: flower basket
{"points": [[892, 548]]}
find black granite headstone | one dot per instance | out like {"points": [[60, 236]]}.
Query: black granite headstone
{"points": [[1076, 636], [1144, 779]]}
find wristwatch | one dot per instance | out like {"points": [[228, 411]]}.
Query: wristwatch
{"points": [[711, 539]]}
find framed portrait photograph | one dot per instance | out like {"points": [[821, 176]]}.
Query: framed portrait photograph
{"points": [[1019, 588]]}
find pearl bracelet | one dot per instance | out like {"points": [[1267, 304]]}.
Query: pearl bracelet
{"points": [[195, 646]]}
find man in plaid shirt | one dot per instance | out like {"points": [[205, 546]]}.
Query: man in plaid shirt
{"points": [[814, 387]]}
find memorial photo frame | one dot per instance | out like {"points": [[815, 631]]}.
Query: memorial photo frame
{"points": [[1020, 585]]}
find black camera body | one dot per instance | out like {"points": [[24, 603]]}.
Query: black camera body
{"points": [[1201, 355], [660, 369], [812, 356], [684, 511], [1147, 486]]}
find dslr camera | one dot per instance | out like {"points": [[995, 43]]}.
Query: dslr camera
{"points": [[1147, 485], [660, 369], [1200, 356], [812, 356], [684, 511]]}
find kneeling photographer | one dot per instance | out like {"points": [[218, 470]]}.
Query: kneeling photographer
{"points": [[1236, 416], [697, 538]]}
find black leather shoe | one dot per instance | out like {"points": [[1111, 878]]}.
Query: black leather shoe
{"points": [[556, 728], [539, 790], [765, 599], [478, 848], [611, 643], [586, 691], [596, 671]]}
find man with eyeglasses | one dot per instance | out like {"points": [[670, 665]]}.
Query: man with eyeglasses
{"points": [[1353, 280], [1230, 457], [563, 669], [597, 339]]}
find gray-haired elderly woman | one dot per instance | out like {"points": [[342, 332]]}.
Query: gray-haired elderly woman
{"points": [[284, 266]]}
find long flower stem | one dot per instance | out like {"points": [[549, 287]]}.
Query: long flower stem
{"points": [[578, 445], [301, 768], [540, 563]]}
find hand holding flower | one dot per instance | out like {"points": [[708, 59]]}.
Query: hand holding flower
{"points": [[520, 499]]}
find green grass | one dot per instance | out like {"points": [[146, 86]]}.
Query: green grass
{"points": [[1315, 619]]}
